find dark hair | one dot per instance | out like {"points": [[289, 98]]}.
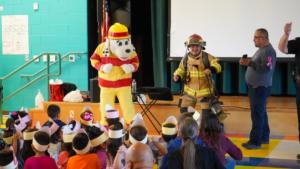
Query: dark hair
{"points": [[111, 121], [7, 134], [73, 122], [27, 150], [93, 133], [68, 147], [183, 116], [212, 130], [22, 113], [168, 138], [42, 137], [189, 132], [263, 32], [53, 111], [117, 126], [10, 124], [80, 141], [6, 156], [55, 137], [2, 144], [138, 132], [113, 144]]}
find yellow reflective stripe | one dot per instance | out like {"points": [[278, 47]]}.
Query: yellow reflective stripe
{"points": [[214, 63], [197, 93], [197, 74], [217, 67], [179, 72]]}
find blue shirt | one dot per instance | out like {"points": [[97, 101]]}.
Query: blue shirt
{"points": [[173, 145]]}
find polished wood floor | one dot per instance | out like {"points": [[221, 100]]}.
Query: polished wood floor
{"points": [[281, 111]]}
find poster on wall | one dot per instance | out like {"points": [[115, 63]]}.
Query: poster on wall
{"points": [[15, 34]]}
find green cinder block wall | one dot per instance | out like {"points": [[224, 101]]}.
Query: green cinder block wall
{"points": [[57, 26]]}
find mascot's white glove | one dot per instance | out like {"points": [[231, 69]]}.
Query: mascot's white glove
{"points": [[107, 68], [128, 68]]}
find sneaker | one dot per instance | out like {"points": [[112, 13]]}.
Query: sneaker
{"points": [[250, 146]]}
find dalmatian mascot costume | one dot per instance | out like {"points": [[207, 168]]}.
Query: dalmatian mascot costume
{"points": [[116, 60]]}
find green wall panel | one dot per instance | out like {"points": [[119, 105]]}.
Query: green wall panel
{"points": [[57, 26]]}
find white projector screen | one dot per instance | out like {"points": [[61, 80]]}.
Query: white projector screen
{"points": [[228, 26]]}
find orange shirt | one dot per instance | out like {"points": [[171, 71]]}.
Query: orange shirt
{"points": [[85, 161]]}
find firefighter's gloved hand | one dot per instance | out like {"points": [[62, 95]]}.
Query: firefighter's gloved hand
{"points": [[176, 78], [207, 71]]}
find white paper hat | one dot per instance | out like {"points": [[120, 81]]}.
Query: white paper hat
{"points": [[36, 144], [170, 130], [138, 120], [108, 107], [171, 119]]}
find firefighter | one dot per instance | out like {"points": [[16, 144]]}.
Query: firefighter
{"points": [[195, 72]]}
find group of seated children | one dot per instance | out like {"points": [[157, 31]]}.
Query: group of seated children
{"points": [[195, 140]]}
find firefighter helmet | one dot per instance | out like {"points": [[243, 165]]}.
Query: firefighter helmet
{"points": [[118, 31], [195, 39]]}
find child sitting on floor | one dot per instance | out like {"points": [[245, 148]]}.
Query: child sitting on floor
{"points": [[69, 131], [98, 141], [83, 158], [40, 144], [55, 124]]}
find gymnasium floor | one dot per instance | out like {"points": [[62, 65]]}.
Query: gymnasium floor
{"points": [[284, 145], [280, 153]]}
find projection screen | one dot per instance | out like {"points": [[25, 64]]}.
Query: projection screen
{"points": [[228, 26]]}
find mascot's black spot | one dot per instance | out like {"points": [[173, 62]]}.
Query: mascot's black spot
{"points": [[105, 51]]}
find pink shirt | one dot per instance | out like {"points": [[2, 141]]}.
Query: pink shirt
{"points": [[40, 162], [102, 158]]}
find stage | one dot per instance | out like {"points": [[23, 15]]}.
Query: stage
{"points": [[281, 111]]}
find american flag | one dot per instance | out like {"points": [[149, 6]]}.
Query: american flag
{"points": [[105, 19]]}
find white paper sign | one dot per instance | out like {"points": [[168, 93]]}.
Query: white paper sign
{"points": [[15, 34]]}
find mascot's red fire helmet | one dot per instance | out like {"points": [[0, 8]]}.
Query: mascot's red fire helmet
{"points": [[118, 31]]}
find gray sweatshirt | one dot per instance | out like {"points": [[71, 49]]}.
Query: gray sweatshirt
{"points": [[261, 68]]}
